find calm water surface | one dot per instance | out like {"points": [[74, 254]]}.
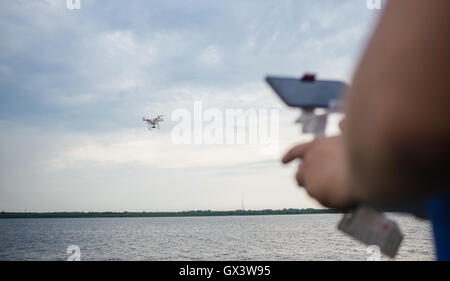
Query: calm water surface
{"points": [[290, 237]]}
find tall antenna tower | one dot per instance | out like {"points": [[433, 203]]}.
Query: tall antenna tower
{"points": [[242, 199]]}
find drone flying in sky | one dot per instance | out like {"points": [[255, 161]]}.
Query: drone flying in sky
{"points": [[153, 123]]}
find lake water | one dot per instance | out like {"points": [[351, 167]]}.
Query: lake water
{"points": [[289, 237]]}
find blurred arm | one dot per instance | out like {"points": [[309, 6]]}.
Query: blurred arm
{"points": [[397, 130]]}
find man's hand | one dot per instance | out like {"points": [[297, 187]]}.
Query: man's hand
{"points": [[323, 171]]}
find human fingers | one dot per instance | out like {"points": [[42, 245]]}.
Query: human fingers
{"points": [[296, 152], [299, 176]]}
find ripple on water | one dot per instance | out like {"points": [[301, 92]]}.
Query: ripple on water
{"points": [[293, 237]]}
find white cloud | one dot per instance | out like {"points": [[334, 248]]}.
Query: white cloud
{"points": [[211, 56]]}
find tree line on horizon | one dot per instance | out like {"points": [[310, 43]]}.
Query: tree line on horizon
{"points": [[165, 214]]}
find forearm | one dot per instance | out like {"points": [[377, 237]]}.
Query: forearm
{"points": [[398, 109]]}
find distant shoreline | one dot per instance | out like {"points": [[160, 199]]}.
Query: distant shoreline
{"points": [[200, 213]]}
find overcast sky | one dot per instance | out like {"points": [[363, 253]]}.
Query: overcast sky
{"points": [[74, 85]]}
